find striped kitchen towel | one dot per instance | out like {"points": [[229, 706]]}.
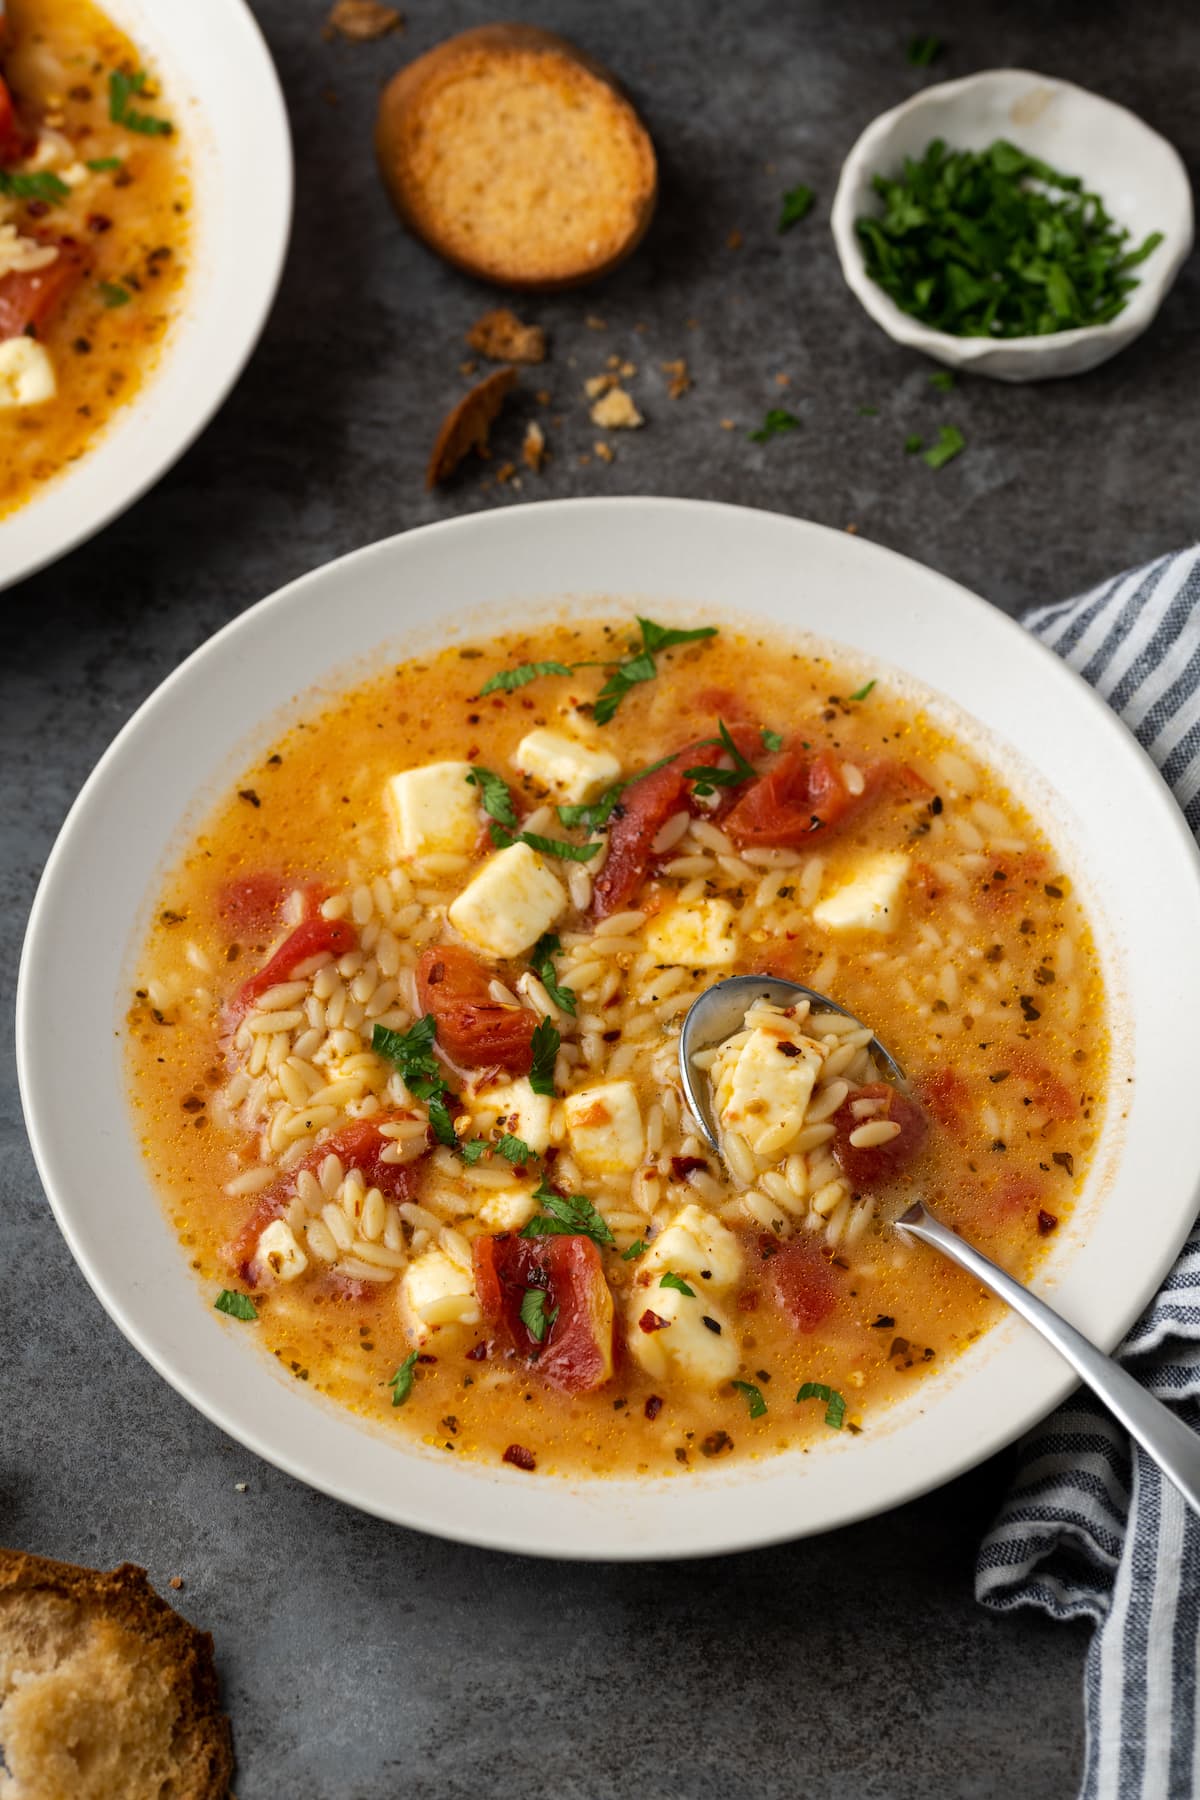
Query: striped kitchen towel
{"points": [[1091, 1529]]}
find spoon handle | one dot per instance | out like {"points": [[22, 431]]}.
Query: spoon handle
{"points": [[1163, 1436]]}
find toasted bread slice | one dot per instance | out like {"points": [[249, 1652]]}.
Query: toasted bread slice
{"points": [[104, 1690], [516, 157]]}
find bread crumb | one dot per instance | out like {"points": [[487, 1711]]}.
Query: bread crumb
{"points": [[542, 396], [596, 385], [533, 450], [604, 451], [362, 20], [680, 380], [616, 412], [595, 324], [467, 368], [852, 529], [506, 471], [727, 425], [584, 459], [500, 336], [782, 380], [734, 241], [466, 426], [176, 1582], [239, 1487]]}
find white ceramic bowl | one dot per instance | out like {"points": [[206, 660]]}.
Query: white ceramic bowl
{"points": [[223, 90], [1139, 176], [686, 561]]}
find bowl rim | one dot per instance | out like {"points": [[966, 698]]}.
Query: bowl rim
{"points": [[119, 467], [474, 1504], [1142, 305]]}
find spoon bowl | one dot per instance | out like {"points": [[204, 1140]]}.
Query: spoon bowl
{"points": [[718, 1012]]}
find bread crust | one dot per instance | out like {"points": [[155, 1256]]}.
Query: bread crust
{"points": [[399, 115], [124, 1598], [466, 426]]}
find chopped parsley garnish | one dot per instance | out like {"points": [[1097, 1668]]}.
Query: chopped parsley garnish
{"points": [[868, 412], [772, 740], [950, 442], [401, 1383], [995, 243], [113, 294], [547, 846], [544, 1043], [101, 165], [797, 204], [494, 796], [912, 443], [636, 1249], [441, 1119], [709, 777], [672, 1280], [625, 676], [595, 814], [238, 1306], [665, 637], [567, 1215], [835, 1403], [514, 1149], [121, 90], [924, 50], [863, 691], [541, 961], [411, 1052], [473, 1150], [942, 380], [42, 186], [777, 420], [755, 1403], [534, 1317], [508, 680]]}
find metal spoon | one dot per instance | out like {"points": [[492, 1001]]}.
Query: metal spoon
{"points": [[719, 1012]]}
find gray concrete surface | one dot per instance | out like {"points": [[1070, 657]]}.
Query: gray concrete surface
{"points": [[362, 1662]]}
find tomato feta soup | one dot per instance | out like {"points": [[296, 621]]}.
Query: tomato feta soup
{"points": [[94, 209], [404, 1046]]}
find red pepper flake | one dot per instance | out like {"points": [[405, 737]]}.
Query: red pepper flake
{"points": [[520, 1458], [1065, 1160], [716, 1443], [653, 1407], [1046, 1223], [477, 1353], [650, 1321], [682, 1166], [99, 222], [249, 795]]}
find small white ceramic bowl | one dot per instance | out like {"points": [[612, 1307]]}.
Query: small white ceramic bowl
{"points": [[1139, 176]]}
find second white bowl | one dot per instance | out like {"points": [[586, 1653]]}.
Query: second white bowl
{"points": [[1137, 173]]}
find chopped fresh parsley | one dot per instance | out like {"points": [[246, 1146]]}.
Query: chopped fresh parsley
{"points": [[494, 796], [942, 380], [868, 412], [238, 1306], [595, 814], [441, 1119], [401, 1383], [950, 442], [545, 1044], [772, 740], [508, 680], [113, 294], [547, 846], [672, 1280], [863, 691], [122, 88], [665, 637], [567, 1215], [835, 1403], [101, 165], [472, 1150], [534, 1317], [797, 204], [625, 676], [42, 186], [636, 1249], [924, 50], [541, 961], [411, 1052], [710, 777], [912, 443], [995, 243], [777, 420], [755, 1403], [514, 1149]]}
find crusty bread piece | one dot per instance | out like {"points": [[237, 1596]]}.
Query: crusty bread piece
{"points": [[516, 157], [105, 1692], [466, 426]]}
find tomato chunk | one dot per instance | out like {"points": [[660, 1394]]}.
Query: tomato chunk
{"points": [[645, 808], [312, 937], [359, 1146], [868, 1167], [800, 797], [576, 1354], [28, 299], [472, 1028], [948, 1098], [804, 1283]]}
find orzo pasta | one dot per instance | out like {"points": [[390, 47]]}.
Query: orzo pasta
{"points": [[405, 1046]]}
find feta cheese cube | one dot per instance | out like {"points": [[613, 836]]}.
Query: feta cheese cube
{"points": [[515, 1108], [279, 1251], [683, 1346], [507, 1209], [572, 771], [605, 1127], [763, 1084], [699, 935], [870, 900], [514, 898], [697, 1246], [434, 810], [26, 373], [436, 1291]]}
